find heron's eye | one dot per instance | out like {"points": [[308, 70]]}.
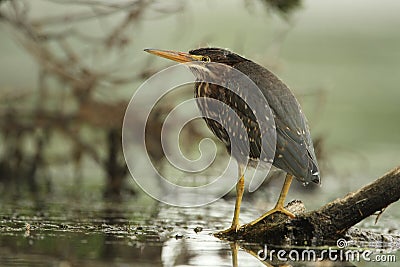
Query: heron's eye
{"points": [[205, 59]]}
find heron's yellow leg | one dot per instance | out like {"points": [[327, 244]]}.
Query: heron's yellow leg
{"points": [[239, 194], [279, 207], [234, 248]]}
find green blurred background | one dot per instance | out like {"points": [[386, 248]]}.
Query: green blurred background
{"points": [[341, 59], [68, 70]]}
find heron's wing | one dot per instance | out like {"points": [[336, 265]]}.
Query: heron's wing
{"points": [[294, 149]]}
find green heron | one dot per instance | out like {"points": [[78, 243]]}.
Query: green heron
{"points": [[293, 152]]}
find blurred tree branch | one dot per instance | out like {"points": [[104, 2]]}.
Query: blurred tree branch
{"points": [[79, 51]]}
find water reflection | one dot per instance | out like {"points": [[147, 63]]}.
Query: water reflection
{"points": [[134, 233], [210, 252], [290, 256]]}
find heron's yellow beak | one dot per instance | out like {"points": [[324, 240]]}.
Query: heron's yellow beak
{"points": [[181, 57]]}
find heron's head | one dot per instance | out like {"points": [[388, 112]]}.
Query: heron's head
{"points": [[200, 57]]}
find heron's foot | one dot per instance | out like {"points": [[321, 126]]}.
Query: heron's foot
{"points": [[233, 229], [277, 209]]}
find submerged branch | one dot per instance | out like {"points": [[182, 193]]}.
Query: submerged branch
{"points": [[329, 222]]}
